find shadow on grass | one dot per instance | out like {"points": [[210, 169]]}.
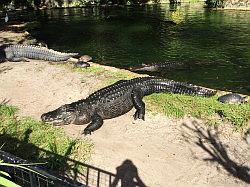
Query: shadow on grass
{"points": [[64, 166], [209, 141]]}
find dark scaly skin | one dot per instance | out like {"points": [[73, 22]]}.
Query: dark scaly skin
{"points": [[21, 52], [116, 100]]}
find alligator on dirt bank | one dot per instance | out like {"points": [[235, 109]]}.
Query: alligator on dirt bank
{"points": [[117, 99], [22, 52]]}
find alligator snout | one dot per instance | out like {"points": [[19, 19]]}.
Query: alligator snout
{"points": [[48, 119], [43, 117], [60, 116]]}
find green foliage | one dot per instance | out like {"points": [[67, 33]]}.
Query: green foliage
{"points": [[4, 181], [20, 3], [97, 70], [42, 142], [209, 109], [4, 177], [77, 3], [215, 3], [6, 111]]}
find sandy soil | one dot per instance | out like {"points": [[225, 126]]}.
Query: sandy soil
{"points": [[164, 152]]}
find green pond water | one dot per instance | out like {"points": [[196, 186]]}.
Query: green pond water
{"points": [[214, 44]]}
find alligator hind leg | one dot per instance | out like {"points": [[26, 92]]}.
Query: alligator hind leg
{"points": [[138, 104], [96, 123]]}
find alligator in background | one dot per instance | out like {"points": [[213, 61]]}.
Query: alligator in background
{"points": [[159, 66], [116, 100], [22, 52]]}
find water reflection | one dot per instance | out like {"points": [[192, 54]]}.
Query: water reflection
{"points": [[126, 36]]}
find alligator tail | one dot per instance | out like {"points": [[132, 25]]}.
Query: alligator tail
{"points": [[36, 52], [190, 89], [164, 85]]}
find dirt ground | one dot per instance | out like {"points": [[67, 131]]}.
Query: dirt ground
{"points": [[160, 151]]}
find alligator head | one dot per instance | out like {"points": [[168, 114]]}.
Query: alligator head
{"points": [[63, 115], [66, 114], [145, 67]]}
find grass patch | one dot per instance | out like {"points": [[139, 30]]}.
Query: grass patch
{"points": [[94, 70], [38, 142], [208, 109], [97, 70]]}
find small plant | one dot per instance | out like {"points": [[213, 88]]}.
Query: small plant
{"points": [[5, 178]]}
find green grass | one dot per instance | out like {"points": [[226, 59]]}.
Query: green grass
{"points": [[97, 70], [208, 109], [39, 142]]}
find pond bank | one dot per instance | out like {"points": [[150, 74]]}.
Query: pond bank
{"points": [[165, 151]]}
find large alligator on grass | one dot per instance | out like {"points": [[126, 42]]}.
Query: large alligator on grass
{"points": [[23, 52], [116, 100]]}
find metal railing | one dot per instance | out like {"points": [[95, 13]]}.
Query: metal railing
{"points": [[27, 178]]}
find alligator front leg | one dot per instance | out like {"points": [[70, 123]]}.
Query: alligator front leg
{"points": [[95, 124], [139, 105]]}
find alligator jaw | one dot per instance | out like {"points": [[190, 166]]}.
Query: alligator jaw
{"points": [[59, 116]]}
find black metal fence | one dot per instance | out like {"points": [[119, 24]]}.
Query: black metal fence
{"points": [[28, 178], [91, 176]]}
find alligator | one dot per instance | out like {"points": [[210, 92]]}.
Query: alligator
{"points": [[117, 99], [158, 67], [18, 52]]}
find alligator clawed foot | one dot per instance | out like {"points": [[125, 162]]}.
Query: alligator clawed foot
{"points": [[86, 132], [139, 115]]}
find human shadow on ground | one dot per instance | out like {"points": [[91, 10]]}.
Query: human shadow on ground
{"points": [[128, 175], [62, 165], [210, 142]]}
